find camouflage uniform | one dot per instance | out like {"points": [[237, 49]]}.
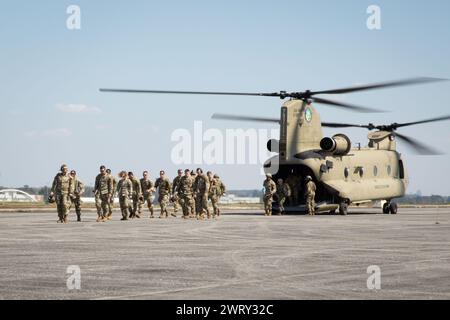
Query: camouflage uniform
{"points": [[216, 190], [283, 192], [294, 183], [147, 188], [164, 192], [124, 191], [103, 192], [111, 202], [201, 188], [310, 193], [186, 195], [62, 188], [269, 190], [175, 194], [136, 198], [78, 187]]}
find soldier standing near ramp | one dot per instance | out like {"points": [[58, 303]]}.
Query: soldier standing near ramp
{"points": [[136, 196], [269, 190], [164, 191], [78, 190], [201, 189], [62, 190], [175, 192], [124, 191], [103, 192], [186, 194], [310, 193], [114, 186], [147, 188]]}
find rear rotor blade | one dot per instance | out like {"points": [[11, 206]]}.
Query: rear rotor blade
{"points": [[345, 105], [243, 118], [381, 85], [343, 125], [419, 147], [273, 94], [399, 125]]}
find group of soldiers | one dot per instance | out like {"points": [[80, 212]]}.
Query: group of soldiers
{"points": [[189, 190], [282, 191]]}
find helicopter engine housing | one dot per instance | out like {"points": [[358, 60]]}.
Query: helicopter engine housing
{"points": [[339, 144]]}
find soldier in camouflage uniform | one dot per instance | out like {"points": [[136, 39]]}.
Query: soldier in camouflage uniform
{"points": [[62, 190], [136, 196], [269, 190], [147, 188], [216, 190], [176, 199], [78, 190], [283, 193], [103, 192], [124, 191], [310, 193], [186, 194], [164, 186], [201, 189], [114, 187]]}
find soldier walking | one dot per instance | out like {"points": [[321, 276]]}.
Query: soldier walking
{"points": [[269, 190], [175, 192], [136, 196], [283, 193], [216, 191], [103, 192], [310, 193], [147, 188], [186, 192], [124, 191], [114, 187], [62, 191], [78, 188], [201, 189], [164, 186]]}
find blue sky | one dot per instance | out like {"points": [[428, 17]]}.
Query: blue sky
{"points": [[47, 70]]}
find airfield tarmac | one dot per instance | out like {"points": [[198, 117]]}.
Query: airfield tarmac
{"points": [[243, 255]]}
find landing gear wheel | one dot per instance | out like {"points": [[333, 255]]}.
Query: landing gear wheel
{"points": [[386, 206], [332, 212], [343, 208], [393, 208]]}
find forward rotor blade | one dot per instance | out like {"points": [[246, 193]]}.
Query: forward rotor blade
{"points": [[243, 118], [381, 85], [346, 105], [342, 125], [274, 94], [419, 147], [399, 125]]}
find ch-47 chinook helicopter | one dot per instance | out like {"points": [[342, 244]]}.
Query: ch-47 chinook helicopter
{"points": [[343, 175]]}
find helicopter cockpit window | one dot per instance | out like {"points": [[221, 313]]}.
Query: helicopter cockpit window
{"points": [[375, 171], [361, 172], [346, 172], [389, 170]]}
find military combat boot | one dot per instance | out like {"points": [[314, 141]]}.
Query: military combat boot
{"points": [[78, 217]]}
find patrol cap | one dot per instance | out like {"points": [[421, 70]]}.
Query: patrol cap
{"points": [[63, 166], [280, 180], [108, 171], [268, 175], [187, 170], [73, 172], [216, 176]]}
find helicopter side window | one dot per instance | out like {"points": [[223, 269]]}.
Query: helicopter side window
{"points": [[401, 169], [361, 172], [375, 171], [389, 170], [346, 172]]}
